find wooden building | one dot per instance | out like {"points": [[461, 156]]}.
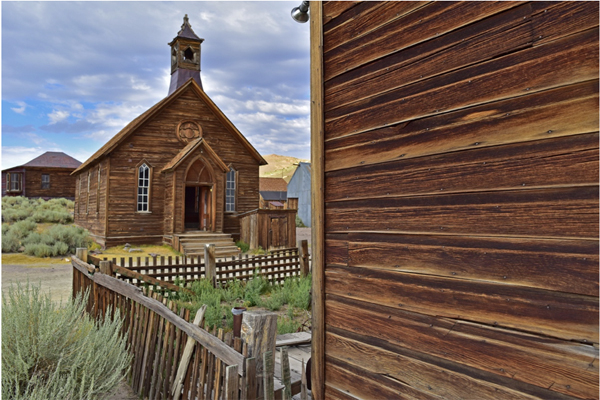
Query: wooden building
{"points": [[455, 184], [273, 193], [178, 169], [299, 188], [47, 176]]}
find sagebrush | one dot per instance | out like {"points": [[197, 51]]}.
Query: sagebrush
{"points": [[21, 232], [56, 351]]}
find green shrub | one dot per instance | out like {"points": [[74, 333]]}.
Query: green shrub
{"points": [[52, 351], [10, 242], [254, 288], [299, 223], [299, 289], [244, 247], [286, 325], [53, 216], [5, 228], [233, 291], [72, 236], [23, 228], [39, 250]]}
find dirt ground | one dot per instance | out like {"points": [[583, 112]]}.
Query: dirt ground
{"points": [[303, 234], [55, 279]]}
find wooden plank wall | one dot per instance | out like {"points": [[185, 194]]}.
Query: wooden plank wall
{"points": [[461, 199], [62, 184], [94, 220], [269, 228]]}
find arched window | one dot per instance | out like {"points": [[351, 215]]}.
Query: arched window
{"points": [[230, 191], [143, 187]]}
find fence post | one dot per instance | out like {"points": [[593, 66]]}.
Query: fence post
{"points": [[106, 267], [81, 253], [304, 257], [259, 331], [210, 263]]}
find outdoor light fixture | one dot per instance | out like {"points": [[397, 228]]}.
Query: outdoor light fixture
{"points": [[300, 14]]}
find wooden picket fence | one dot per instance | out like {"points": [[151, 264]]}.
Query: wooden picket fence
{"points": [[172, 358], [275, 267]]}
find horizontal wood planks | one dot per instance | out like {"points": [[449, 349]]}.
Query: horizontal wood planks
{"points": [[461, 200]]}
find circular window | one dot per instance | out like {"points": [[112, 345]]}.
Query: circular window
{"points": [[188, 131]]}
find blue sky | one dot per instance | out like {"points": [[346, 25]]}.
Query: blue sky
{"points": [[75, 73]]}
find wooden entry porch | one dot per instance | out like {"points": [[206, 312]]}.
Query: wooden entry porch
{"points": [[191, 243]]}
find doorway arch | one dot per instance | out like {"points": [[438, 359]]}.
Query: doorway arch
{"points": [[199, 197]]}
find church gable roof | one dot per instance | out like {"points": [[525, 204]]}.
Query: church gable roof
{"points": [[189, 150], [152, 111]]}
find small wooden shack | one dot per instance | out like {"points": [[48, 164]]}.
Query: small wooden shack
{"points": [[179, 171], [455, 183], [273, 193], [47, 176]]}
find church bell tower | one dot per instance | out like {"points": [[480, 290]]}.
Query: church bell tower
{"points": [[185, 56]]}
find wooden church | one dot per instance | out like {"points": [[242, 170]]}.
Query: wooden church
{"points": [[180, 170]]}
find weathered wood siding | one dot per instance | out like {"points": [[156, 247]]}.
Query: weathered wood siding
{"points": [[90, 208], [62, 184], [461, 199], [155, 142], [269, 228]]}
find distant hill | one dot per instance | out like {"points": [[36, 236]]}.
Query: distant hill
{"points": [[279, 167]]}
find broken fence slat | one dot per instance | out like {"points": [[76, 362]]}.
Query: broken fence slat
{"points": [[187, 355]]}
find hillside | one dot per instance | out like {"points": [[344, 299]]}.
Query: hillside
{"points": [[279, 167]]}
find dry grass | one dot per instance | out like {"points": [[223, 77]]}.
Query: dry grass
{"points": [[22, 259], [279, 167], [120, 251]]}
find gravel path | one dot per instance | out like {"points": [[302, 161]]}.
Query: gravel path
{"points": [[55, 278]]}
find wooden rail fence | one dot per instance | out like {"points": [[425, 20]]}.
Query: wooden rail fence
{"points": [[275, 266], [172, 358]]}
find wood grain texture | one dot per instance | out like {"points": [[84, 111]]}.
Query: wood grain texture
{"points": [[506, 32], [363, 384], [577, 55], [531, 263], [540, 361], [425, 23], [555, 113], [332, 9], [554, 162], [317, 199], [562, 213], [363, 18], [541, 312], [423, 376], [527, 25]]}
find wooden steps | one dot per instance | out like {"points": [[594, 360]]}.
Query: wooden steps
{"points": [[192, 243]]}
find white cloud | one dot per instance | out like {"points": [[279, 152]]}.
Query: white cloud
{"points": [[13, 156], [57, 116], [21, 109]]}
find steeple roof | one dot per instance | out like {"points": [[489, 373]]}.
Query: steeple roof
{"points": [[186, 32]]}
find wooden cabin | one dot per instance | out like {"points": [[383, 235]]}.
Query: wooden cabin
{"points": [[273, 193], [47, 176], [298, 188], [178, 170], [455, 184]]}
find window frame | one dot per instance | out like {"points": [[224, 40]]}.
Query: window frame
{"points": [[9, 182], [45, 184], [148, 188], [234, 173]]}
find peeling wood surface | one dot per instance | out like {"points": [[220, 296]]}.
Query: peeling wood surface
{"points": [[461, 200]]}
